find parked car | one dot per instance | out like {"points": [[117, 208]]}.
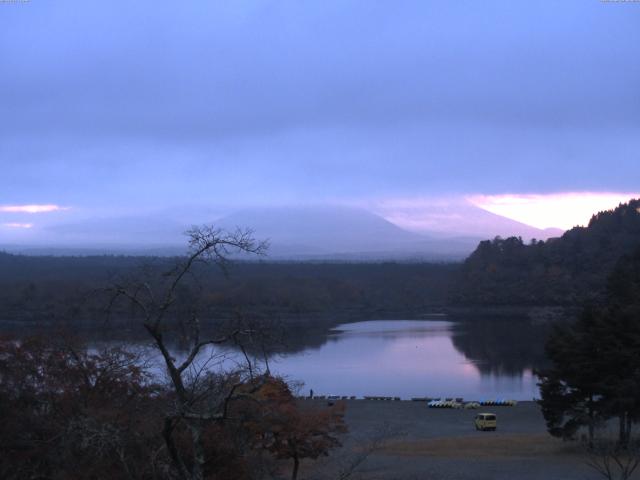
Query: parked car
{"points": [[486, 421]]}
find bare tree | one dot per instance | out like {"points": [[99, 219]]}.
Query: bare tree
{"points": [[347, 465], [200, 398], [613, 461]]}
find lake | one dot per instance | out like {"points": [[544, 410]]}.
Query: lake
{"points": [[412, 358], [403, 358], [474, 358]]}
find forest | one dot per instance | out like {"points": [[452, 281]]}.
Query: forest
{"points": [[566, 271], [61, 289]]}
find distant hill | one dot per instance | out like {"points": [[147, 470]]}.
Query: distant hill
{"points": [[342, 233], [447, 233], [320, 230], [568, 270], [295, 233]]}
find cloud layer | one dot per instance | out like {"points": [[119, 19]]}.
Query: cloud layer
{"points": [[110, 108]]}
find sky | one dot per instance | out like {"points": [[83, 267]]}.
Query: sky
{"points": [[111, 108]]}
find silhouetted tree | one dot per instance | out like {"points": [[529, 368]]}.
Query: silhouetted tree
{"points": [[595, 373], [571, 389], [201, 399], [611, 460]]}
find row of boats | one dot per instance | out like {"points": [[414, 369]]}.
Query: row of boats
{"points": [[457, 403]]}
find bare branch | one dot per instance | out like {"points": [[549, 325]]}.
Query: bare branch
{"points": [[156, 300], [196, 349]]}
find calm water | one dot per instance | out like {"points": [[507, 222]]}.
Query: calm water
{"points": [[475, 359], [405, 358], [411, 358]]}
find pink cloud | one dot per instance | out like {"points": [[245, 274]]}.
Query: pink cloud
{"points": [[34, 208], [17, 225], [561, 210]]}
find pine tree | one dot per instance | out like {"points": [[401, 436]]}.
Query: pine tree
{"points": [[595, 373]]}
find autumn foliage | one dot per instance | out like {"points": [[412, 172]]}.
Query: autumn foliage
{"points": [[68, 413], [292, 431]]}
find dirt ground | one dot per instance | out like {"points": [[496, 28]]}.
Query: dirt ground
{"points": [[442, 444]]}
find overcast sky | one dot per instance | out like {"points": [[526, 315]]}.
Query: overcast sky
{"points": [[125, 106]]}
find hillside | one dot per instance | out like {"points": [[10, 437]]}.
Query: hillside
{"points": [[568, 270]]}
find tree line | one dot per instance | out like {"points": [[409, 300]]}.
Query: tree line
{"points": [[62, 289], [570, 271]]}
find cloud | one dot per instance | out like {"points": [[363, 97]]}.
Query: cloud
{"points": [[17, 225], [561, 210], [31, 208], [496, 214], [257, 102]]}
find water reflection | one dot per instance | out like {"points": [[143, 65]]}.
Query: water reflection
{"points": [[409, 358], [470, 358], [505, 347]]}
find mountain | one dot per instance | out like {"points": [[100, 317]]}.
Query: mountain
{"points": [[341, 233], [294, 233], [300, 233], [462, 218], [570, 270], [322, 229]]}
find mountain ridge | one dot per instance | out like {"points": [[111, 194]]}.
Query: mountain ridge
{"points": [[297, 233]]}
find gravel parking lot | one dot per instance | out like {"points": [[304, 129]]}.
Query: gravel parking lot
{"points": [[438, 444]]}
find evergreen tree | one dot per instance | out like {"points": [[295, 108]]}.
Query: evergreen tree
{"points": [[571, 391], [595, 373]]}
